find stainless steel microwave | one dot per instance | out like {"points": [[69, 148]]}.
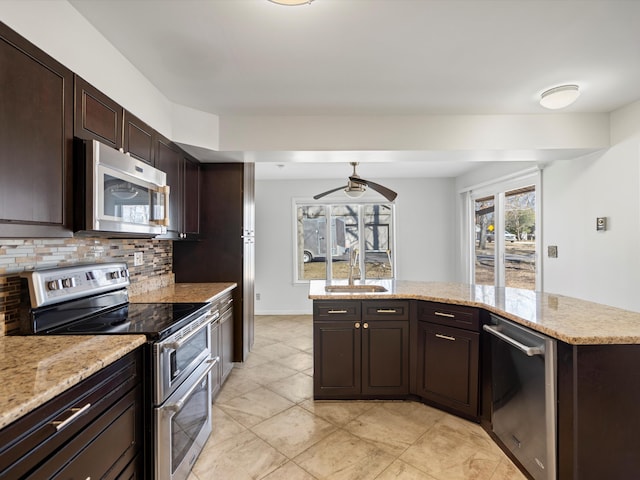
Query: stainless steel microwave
{"points": [[116, 195]]}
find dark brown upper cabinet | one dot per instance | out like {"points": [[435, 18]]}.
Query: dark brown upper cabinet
{"points": [[36, 137], [183, 176], [138, 138], [96, 115]]}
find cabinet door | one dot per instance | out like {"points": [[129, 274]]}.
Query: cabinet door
{"points": [[336, 359], [226, 344], [216, 354], [138, 138], [448, 367], [169, 160], [36, 136], [97, 116], [385, 358], [191, 197]]}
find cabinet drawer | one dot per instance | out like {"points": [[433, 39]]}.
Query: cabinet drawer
{"points": [[105, 447], [451, 315], [329, 310], [30, 440], [385, 310]]}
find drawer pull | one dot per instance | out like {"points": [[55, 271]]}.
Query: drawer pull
{"points": [[336, 311], [448, 315], [386, 310], [76, 413], [445, 337]]}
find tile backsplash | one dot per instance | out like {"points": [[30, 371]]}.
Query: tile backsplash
{"points": [[20, 255]]}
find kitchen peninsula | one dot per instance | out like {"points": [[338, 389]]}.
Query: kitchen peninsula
{"points": [[598, 349]]}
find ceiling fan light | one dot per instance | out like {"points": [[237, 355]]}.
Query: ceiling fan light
{"points": [[559, 97], [354, 193], [291, 2]]}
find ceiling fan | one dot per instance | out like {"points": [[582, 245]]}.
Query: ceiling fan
{"points": [[356, 187]]}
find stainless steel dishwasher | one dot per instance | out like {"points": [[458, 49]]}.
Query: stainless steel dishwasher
{"points": [[523, 365]]}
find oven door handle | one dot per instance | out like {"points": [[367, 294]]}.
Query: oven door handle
{"points": [[183, 340], [177, 406]]}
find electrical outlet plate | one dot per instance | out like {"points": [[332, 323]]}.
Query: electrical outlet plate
{"points": [[137, 259]]}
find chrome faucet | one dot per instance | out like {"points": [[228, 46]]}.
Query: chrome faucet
{"points": [[352, 264]]}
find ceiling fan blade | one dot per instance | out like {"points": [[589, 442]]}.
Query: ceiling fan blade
{"points": [[320, 195], [384, 191]]}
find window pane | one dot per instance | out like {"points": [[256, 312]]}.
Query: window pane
{"points": [[311, 234], [344, 237], [520, 246], [485, 241], [322, 251], [377, 239]]}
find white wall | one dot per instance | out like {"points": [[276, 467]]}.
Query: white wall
{"points": [[603, 267], [425, 223], [57, 28], [600, 266]]}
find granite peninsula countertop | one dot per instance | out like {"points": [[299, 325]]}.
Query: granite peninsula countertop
{"points": [[574, 321], [34, 369], [184, 292]]}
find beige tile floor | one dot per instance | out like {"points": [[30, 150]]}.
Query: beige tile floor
{"points": [[266, 425]]}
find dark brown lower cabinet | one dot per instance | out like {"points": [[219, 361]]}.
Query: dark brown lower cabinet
{"points": [[93, 430], [598, 420], [447, 369], [336, 359], [361, 359], [226, 344]]}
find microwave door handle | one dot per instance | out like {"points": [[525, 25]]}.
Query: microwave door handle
{"points": [[165, 190]]}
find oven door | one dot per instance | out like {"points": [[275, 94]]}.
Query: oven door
{"points": [[183, 425], [177, 356]]}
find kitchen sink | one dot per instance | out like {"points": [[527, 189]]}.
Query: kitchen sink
{"points": [[354, 288]]}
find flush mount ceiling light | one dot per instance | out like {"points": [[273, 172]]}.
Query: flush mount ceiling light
{"points": [[559, 97], [291, 2]]}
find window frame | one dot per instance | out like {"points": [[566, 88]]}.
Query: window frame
{"points": [[305, 201], [497, 189]]}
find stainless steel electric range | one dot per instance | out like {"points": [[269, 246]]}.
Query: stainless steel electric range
{"points": [[93, 300]]}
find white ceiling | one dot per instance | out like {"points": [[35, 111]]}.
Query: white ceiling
{"points": [[377, 57]]}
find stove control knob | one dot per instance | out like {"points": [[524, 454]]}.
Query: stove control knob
{"points": [[114, 275], [124, 273], [68, 282], [54, 285]]}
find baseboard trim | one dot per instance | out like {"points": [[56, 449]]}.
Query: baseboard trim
{"points": [[283, 312]]}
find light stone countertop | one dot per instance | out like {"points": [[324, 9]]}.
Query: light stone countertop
{"points": [[184, 293], [574, 321], [34, 369]]}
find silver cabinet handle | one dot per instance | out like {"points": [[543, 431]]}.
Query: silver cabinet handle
{"points": [[446, 337], [529, 351], [336, 311], [76, 413], [386, 310], [448, 315]]}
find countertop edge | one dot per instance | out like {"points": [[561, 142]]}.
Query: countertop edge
{"points": [[21, 407], [564, 333]]}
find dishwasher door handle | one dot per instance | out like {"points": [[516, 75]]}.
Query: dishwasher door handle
{"points": [[529, 351]]}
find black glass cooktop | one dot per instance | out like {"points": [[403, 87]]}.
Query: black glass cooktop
{"points": [[155, 320]]}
